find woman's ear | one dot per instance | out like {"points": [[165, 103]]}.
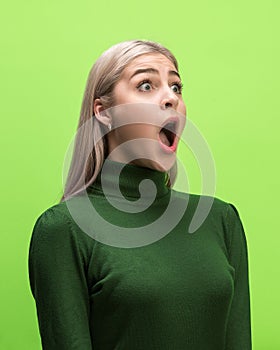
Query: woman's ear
{"points": [[100, 113]]}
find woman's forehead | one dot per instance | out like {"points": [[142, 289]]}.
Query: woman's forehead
{"points": [[150, 60]]}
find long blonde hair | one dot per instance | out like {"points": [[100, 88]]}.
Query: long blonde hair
{"points": [[102, 78]]}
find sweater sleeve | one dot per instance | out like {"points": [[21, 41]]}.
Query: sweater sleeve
{"points": [[239, 322], [58, 283]]}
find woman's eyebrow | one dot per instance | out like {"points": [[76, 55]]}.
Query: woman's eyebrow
{"points": [[153, 71]]}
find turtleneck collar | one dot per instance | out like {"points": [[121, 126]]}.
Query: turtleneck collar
{"points": [[119, 179]]}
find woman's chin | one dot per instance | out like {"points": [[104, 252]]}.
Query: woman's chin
{"points": [[162, 165]]}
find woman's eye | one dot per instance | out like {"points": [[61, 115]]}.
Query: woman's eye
{"points": [[177, 88], [144, 86]]}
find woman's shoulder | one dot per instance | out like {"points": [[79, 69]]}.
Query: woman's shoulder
{"points": [[214, 204], [55, 220], [60, 214], [210, 209], [53, 216], [55, 228], [216, 215]]}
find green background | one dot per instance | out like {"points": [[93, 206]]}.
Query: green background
{"points": [[228, 53]]}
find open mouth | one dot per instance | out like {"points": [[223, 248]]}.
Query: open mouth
{"points": [[167, 134]]}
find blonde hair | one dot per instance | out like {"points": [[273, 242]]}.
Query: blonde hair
{"points": [[102, 78]]}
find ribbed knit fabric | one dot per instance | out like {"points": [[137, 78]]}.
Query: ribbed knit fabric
{"points": [[182, 291]]}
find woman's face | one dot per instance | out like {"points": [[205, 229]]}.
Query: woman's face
{"points": [[146, 98]]}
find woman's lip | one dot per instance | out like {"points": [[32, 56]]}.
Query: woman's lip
{"points": [[169, 149], [170, 120]]}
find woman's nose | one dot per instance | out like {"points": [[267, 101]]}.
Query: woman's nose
{"points": [[169, 100]]}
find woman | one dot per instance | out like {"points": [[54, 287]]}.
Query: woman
{"points": [[126, 275]]}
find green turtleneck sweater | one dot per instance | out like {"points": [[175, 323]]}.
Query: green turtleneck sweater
{"points": [[113, 268]]}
